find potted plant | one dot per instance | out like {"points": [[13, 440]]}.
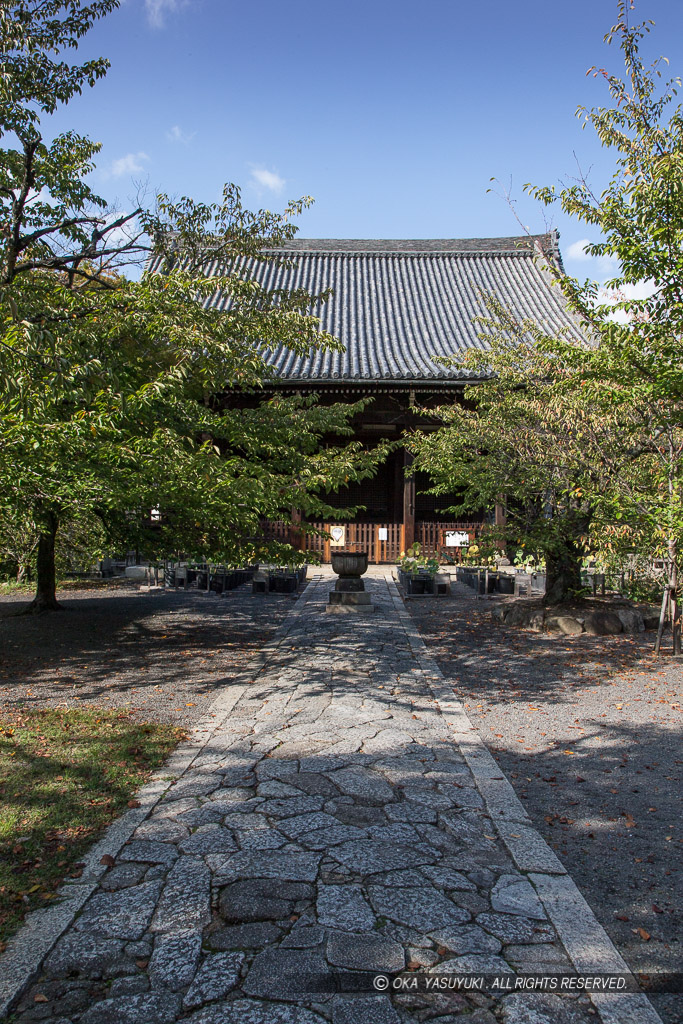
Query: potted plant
{"points": [[429, 570]]}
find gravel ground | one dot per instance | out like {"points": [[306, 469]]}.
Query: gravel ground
{"points": [[162, 655], [588, 730]]}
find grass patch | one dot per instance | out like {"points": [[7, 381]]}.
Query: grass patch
{"points": [[64, 776]]}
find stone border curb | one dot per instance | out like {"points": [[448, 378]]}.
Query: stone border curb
{"points": [[41, 930], [588, 945]]}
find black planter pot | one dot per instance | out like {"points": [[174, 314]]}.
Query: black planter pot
{"points": [[505, 584], [217, 584], [417, 585]]}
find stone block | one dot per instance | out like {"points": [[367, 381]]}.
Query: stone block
{"points": [[422, 908], [146, 1008], [122, 876], [365, 952], [365, 1009], [510, 929], [185, 903], [602, 623], [350, 609], [218, 975], [467, 938], [367, 858], [568, 625], [363, 785], [121, 915], [291, 867], [83, 953], [175, 960], [631, 619], [209, 839], [286, 974], [513, 894], [147, 851], [252, 1011], [261, 900], [244, 936], [344, 907]]}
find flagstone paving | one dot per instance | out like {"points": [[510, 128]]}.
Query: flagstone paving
{"points": [[330, 825]]}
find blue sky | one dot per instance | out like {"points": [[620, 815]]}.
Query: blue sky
{"points": [[393, 116]]}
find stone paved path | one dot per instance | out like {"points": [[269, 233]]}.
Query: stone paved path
{"points": [[330, 825]]}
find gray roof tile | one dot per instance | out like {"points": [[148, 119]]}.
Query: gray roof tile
{"points": [[398, 304]]}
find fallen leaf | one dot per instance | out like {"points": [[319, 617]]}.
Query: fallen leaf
{"points": [[107, 860], [40, 998], [645, 936], [134, 803], [141, 964], [622, 917]]}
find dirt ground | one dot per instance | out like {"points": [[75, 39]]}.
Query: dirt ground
{"points": [[163, 655], [588, 731]]}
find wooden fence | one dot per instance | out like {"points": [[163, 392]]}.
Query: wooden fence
{"points": [[384, 542]]}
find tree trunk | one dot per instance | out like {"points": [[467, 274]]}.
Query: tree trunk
{"points": [[675, 600], [563, 575], [46, 587]]}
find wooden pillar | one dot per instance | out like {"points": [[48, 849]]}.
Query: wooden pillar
{"points": [[408, 500], [397, 492]]}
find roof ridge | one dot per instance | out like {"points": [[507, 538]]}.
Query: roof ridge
{"points": [[529, 251]]}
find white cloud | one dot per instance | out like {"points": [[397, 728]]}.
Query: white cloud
{"points": [[641, 290], [577, 250], [158, 9], [176, 134], [131, 163], [599, 266], [263, 179]]}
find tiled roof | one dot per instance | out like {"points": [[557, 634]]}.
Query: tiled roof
{"points": [[398, 304]]}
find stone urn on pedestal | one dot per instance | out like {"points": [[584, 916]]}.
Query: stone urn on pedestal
{"points": [[349, 593]]}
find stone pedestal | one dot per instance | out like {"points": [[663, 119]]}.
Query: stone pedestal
{"points": [[349, 609], [355, 598], [349, 596]]}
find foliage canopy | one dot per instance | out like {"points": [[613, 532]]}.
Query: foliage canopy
{"points": [[114, 392]]}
